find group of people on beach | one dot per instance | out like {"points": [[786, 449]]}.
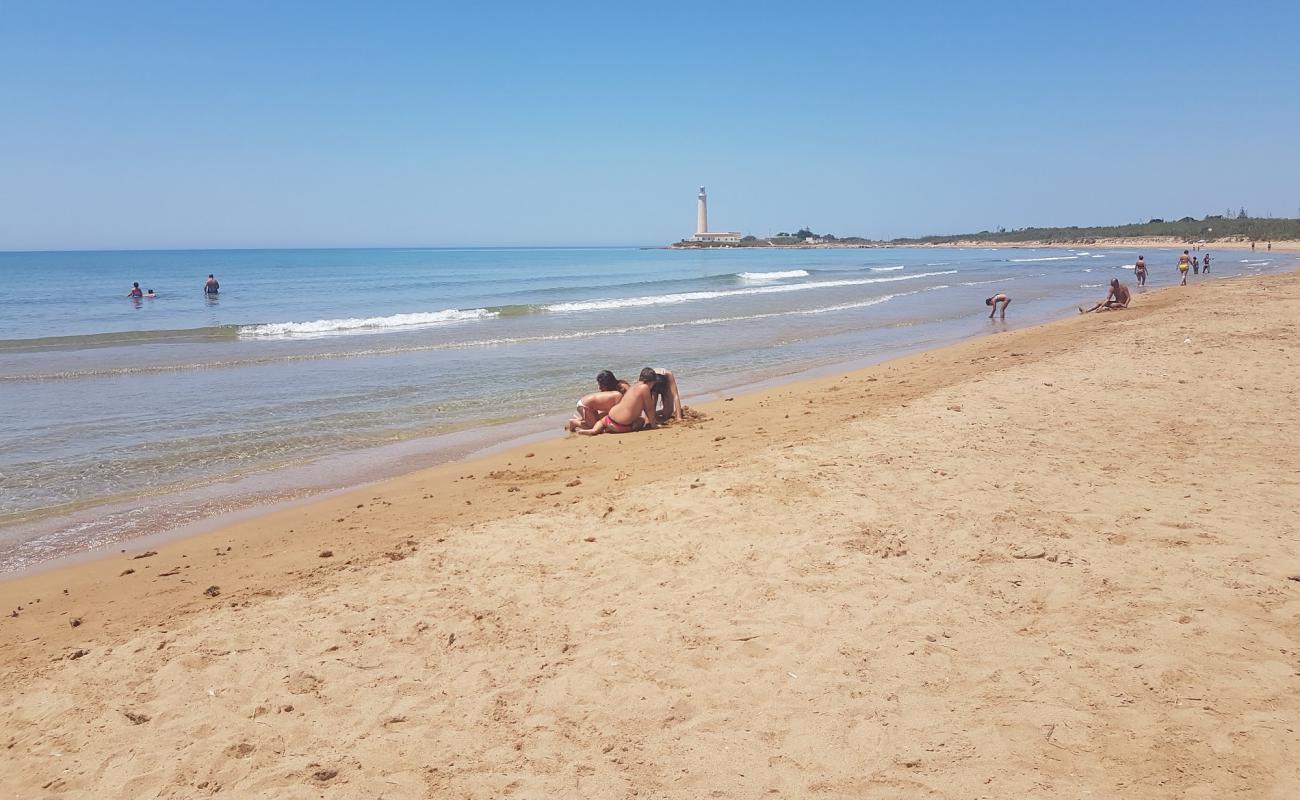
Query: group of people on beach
{"points": [[210, 287], [622, 407], [1195, 263]]}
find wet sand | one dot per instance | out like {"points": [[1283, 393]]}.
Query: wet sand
{"points": [[1059, 561]]}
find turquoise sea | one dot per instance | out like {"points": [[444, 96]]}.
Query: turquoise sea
{"points": [[315, 369]]}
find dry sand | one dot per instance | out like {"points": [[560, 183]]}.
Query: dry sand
{"points": [[1047, 563]]}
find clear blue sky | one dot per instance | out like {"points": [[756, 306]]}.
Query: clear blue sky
{"points": [[279, 124]]}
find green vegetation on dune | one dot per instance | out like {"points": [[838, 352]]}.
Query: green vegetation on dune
{"points": [[1211, 228]]}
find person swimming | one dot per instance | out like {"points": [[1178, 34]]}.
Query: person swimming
{"points": [[135, 291], [150, 293]]}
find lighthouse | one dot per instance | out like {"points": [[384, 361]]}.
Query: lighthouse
{"points": [[702, 232], [702, 213]]}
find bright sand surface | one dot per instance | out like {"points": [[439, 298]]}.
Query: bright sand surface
{"points": [[1047, 563]]}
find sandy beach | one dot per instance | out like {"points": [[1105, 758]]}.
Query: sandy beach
{"points": [[1060, 561]]}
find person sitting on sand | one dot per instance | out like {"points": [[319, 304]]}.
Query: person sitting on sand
{"points": [[1140, 271], [1184, 264], [994, 300], [667, 400], [636, 411], [1117, 298], [135, 290], [597, 404]]}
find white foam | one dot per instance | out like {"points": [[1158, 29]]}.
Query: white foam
{"points": [[686, 297], [885, 269], [325, 327], [1047, 258], [764, 277]]}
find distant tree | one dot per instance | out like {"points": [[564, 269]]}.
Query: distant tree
{"points": [[783, 234], [1186, 219], [1155, 221], [1242, 213], [749, 238], [804, 233]]}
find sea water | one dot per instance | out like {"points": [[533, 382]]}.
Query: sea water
{"points": [[313, 369]]}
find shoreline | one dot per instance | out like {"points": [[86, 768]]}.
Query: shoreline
{"points": [[1152, 243], [874, 573], [487, 458], [241, 497]]}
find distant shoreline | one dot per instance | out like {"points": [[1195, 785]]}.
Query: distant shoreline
{"points": [[1150, 242]]}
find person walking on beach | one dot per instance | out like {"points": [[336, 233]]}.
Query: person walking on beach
{"points": [[210, 286], [635, 412], [1184, 264], [1205, 264], [1140, 271], [135, 291], [1117, 298], [994, 300]]}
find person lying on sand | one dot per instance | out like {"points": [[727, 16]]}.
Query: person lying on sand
{"points": [[994, 300], [636, 411], [1118, 297], [597, 404], [668, 402]]}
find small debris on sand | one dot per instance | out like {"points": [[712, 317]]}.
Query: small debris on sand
{"points": [[75, 622], [136, 717], [574, 482], [324, 775], [212, 591], [146, 554], [327, 554], [126, 572], [1030, 552]]}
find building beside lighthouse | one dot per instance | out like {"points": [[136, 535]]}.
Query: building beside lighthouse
{"points": [[702, 232]]}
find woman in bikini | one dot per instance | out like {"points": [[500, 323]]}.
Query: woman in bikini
{"points": [[994, 300], [636, 411], [1184, 264], [593, 407]]}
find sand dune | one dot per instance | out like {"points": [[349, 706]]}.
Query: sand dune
{"points": [[1048, 563]]}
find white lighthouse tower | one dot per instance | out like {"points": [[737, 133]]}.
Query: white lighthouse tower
{"points": [[702, 213], [702, 232]]}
